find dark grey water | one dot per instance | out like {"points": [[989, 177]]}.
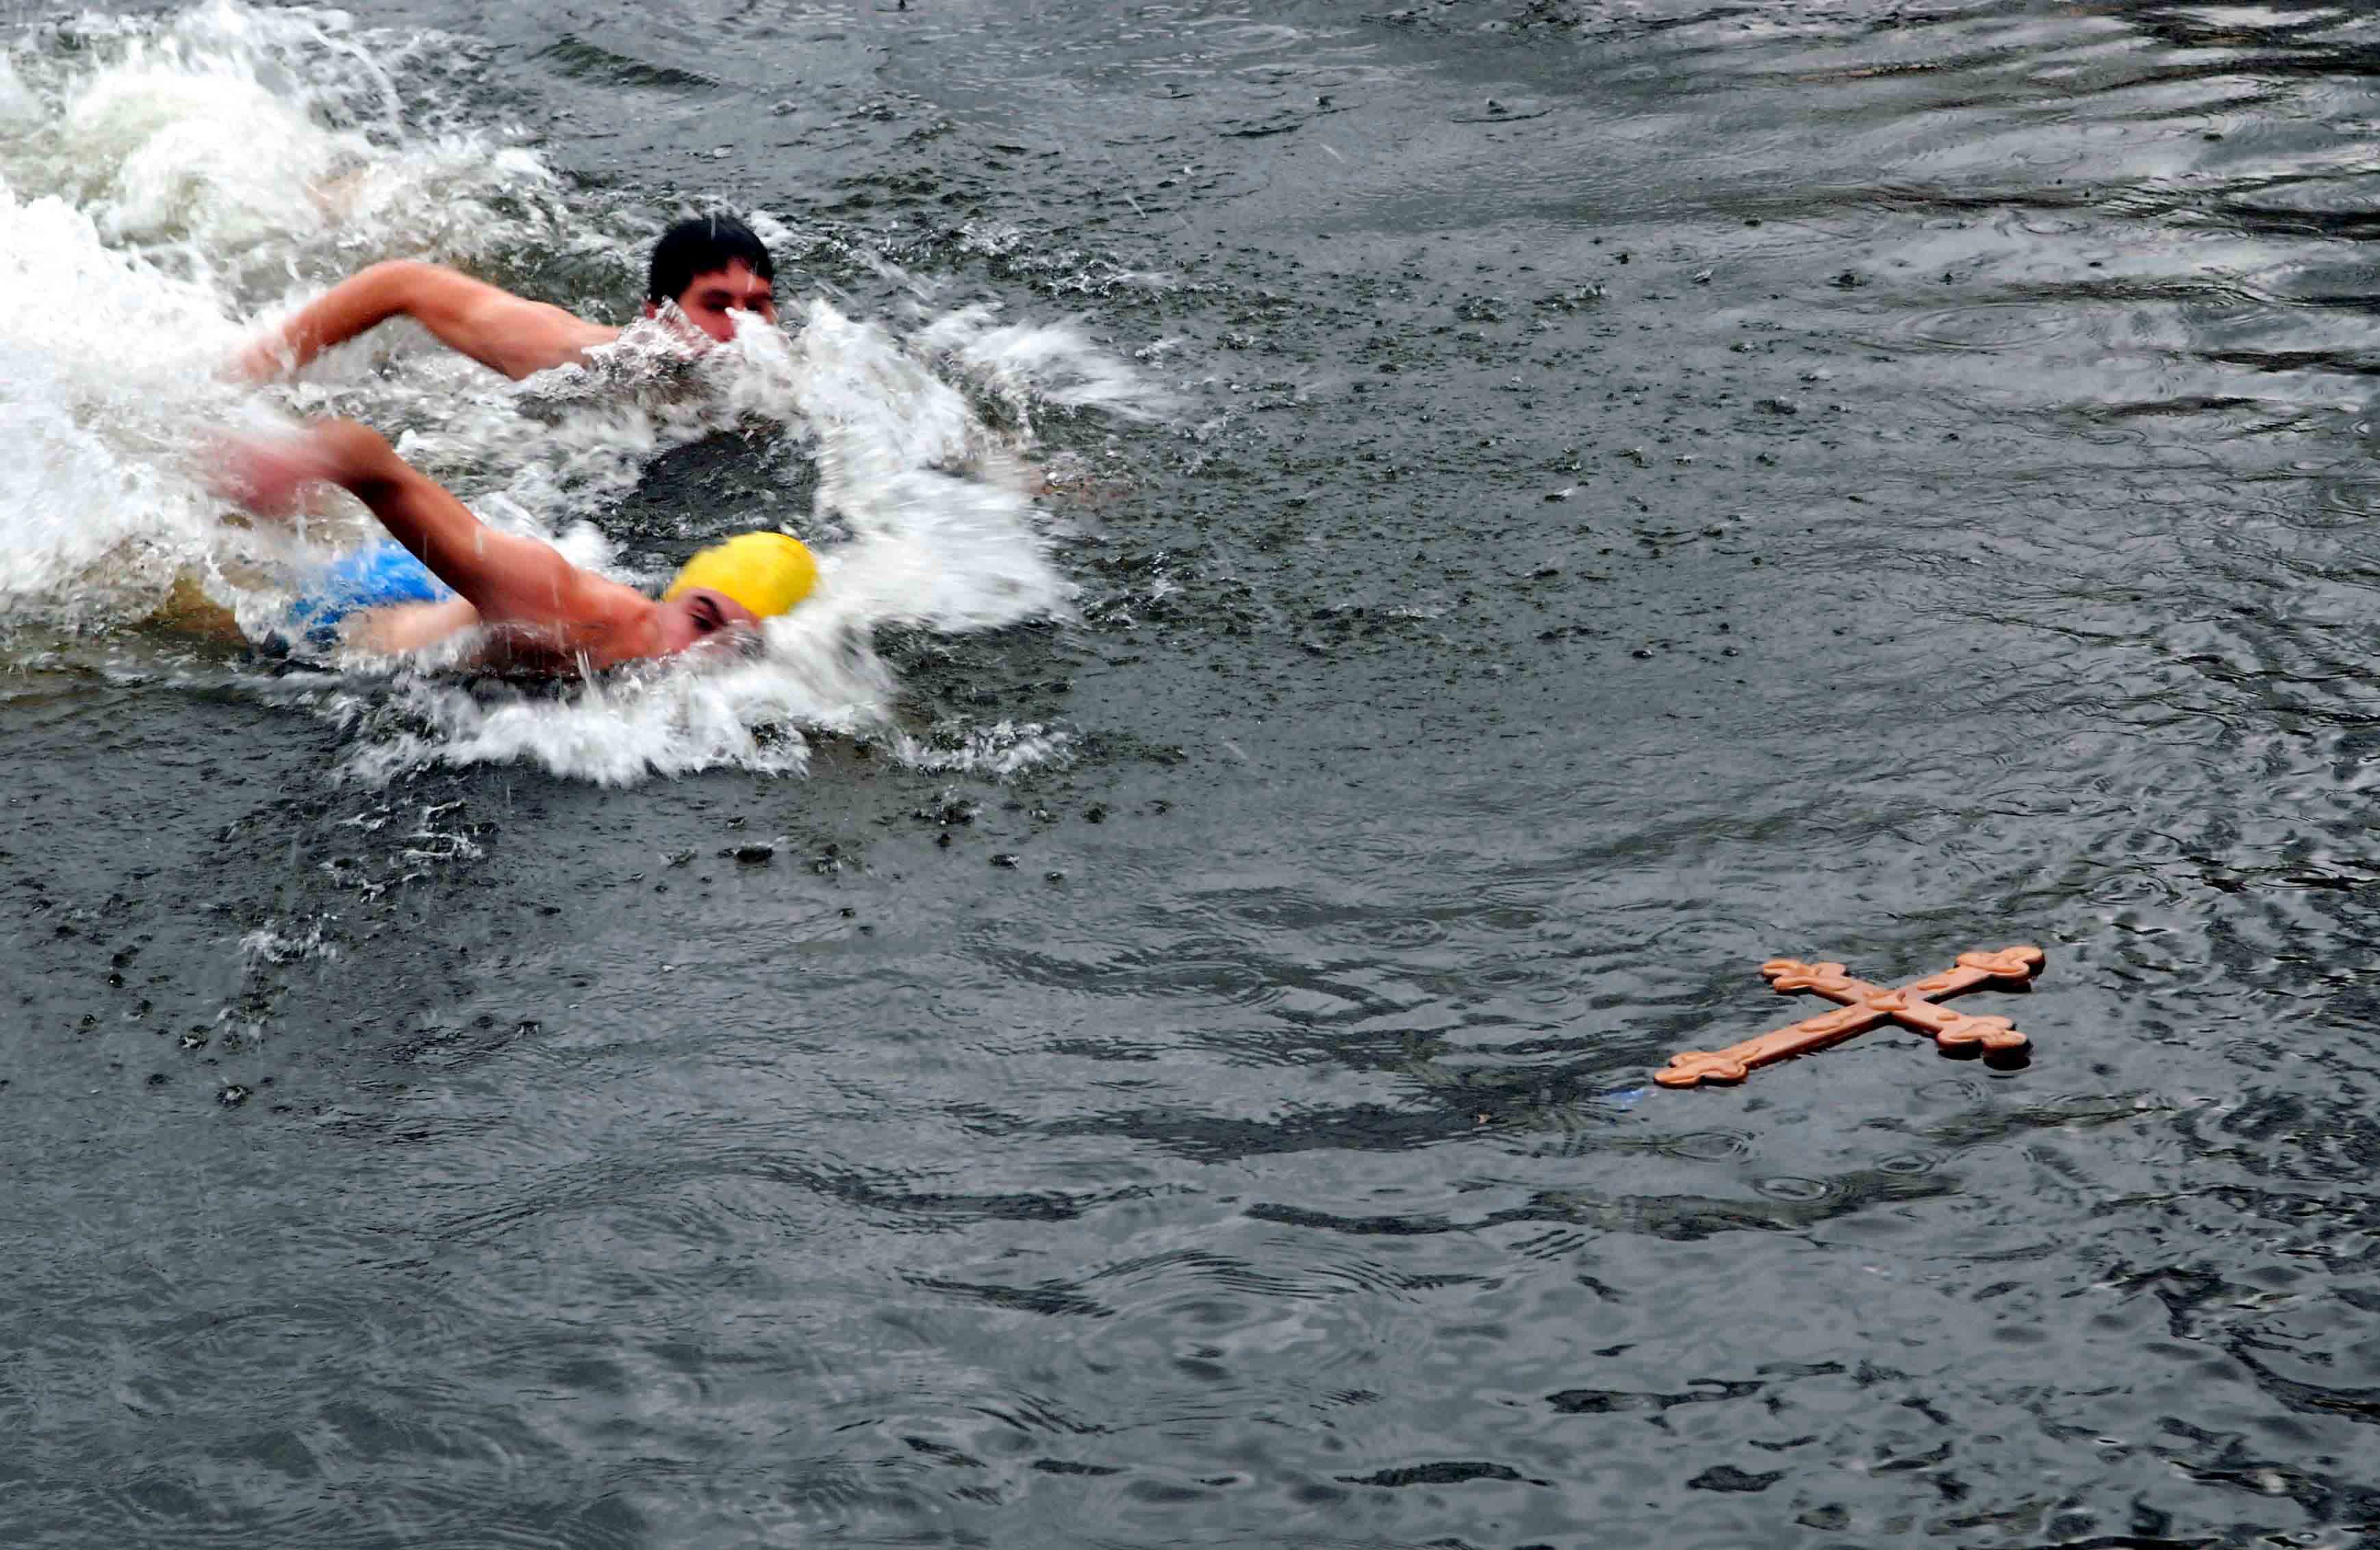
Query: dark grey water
{"points": [[1652, 488]]}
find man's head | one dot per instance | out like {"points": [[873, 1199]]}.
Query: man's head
{"points": [[712, 266], [735, 583]]}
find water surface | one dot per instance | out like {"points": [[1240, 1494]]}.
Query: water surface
{"points": [[1555, 504]]}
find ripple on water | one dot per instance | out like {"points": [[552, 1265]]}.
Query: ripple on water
{"points": [[1216, 970], [1959, 1092], [1398, 930], [1770, 231], [1706, 1145], [1982, 326], [1787, 1186], [2339, 502], [1501, 110]]}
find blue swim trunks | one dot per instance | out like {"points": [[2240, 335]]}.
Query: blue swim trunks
{"points": [[374, 577]]}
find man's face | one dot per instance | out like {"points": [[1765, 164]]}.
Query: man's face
{"points": [[709, 300], [699, 615]]}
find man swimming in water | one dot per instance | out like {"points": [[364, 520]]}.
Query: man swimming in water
{"points": [[541, 612], [712, 268]]}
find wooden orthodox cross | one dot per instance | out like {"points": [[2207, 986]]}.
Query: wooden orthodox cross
{"points": [[1865, 1005]]}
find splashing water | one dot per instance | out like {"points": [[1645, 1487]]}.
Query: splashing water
{"points": [[143, 237]]}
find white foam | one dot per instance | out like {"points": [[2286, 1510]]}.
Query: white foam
{"points": [[99, 513], [999, 749], [269, 944]]}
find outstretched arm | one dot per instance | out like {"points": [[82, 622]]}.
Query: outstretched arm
{"points": [[509, 579], [494, 327]]}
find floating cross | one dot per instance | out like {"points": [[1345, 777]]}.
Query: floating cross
{"points": [[1865, 1005]]}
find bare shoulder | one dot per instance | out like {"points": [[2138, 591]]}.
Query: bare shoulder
{"points": [[612, 623], [578, 621]]}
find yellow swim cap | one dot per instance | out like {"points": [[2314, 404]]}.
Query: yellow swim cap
{"points": [[768, 573]]}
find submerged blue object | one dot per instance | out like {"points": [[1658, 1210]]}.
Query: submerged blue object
{"points": [[375, 576]]}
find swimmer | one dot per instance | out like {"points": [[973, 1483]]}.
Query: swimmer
{"points": [[449, 572], [712, 268]]}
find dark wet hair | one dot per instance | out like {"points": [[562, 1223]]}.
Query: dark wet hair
{"points": [[703, 246]]}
